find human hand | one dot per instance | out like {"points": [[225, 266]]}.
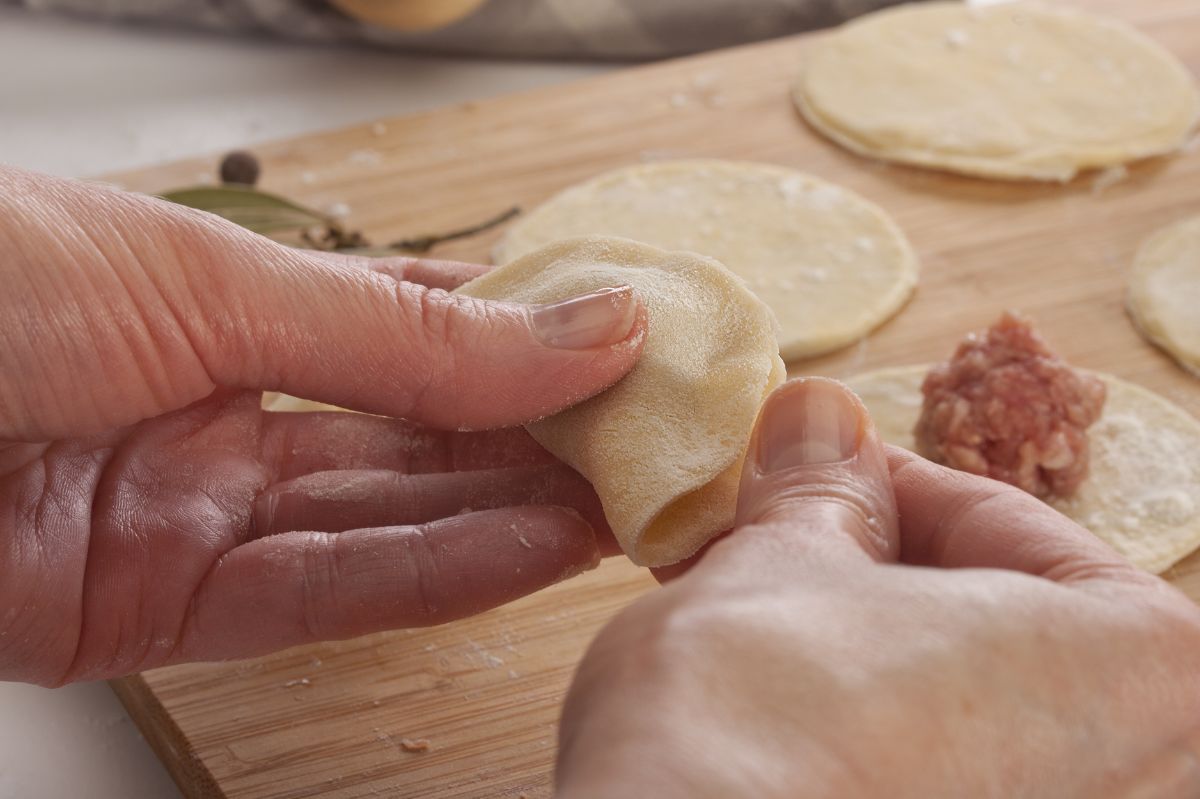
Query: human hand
{"points": [[151, 513], [954, 638]]}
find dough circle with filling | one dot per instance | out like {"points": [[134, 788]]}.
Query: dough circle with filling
{"points": [[1010, 91], [1164, 292], [664, 446], [1142, 492], [830, 264]]}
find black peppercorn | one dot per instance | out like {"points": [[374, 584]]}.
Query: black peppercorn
{"points": [[241, 167]]}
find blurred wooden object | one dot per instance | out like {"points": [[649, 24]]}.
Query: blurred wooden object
{"points": [[409, 15]]}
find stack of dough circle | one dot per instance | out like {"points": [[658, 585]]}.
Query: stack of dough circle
{"points": [[1010, 91], [1164, 292], [831, 265], [664, 446], [1142, 492]]}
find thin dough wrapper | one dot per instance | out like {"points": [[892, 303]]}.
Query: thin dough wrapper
{"points": [[664, 446], [1164, 292], [1012, 91], [830, 264], [1142, 493]]}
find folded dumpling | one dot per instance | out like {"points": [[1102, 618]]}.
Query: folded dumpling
{"points": [[664, 446]]}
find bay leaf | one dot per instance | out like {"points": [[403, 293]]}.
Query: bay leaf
{"points": [[253, 209]]}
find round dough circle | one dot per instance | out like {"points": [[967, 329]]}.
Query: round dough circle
{"points": [[831, 265], [1142, 493], [1010, 91], [664, 446], [1164, 292]]}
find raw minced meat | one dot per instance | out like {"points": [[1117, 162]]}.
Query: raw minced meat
{"points": [[1007, 407]]}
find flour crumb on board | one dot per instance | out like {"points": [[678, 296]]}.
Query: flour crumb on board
{"points": [[364, 157], [704, 84], [485, 657], [379, 129], [302, 681], [1109, 177], [338, 210], [415, 744], [308, 178], [957, 38], [706, 80]]}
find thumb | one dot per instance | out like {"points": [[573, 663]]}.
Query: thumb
{"points": [[342, 333], [816, 481]]}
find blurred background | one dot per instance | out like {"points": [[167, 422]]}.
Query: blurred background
{"points": [[80, 98]]}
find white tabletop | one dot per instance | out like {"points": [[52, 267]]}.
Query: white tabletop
{"points": [[79, 99]]}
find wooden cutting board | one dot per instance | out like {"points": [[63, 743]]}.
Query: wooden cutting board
{"points": [[328, 720]]}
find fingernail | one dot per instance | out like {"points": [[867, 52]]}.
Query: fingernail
{"points": [[598, 319], [809, 421]]}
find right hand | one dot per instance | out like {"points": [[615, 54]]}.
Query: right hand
{"points": [[954, 637]]}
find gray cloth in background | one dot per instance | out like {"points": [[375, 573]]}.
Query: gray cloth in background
{"points": [[596, 29]]}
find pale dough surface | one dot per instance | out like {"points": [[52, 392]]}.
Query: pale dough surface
{"points": [[830, 264], [1142, 494], [286, 403], [1010, 91], [664, 446], [1164, 291]]}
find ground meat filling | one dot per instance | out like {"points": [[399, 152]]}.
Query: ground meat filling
{"points": [[1007, 407]]}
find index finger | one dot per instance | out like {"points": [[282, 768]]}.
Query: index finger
{"points": [[433, 273], [952, 519]]}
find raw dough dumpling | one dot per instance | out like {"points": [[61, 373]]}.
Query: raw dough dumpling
{"points": [[1011, 91], [1142, 492], [664, 446], [1164, 292], [830, 264]]}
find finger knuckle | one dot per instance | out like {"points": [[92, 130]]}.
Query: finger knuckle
{"points": [[318, 585], [423, 578], [831, 507], [437, 321]]}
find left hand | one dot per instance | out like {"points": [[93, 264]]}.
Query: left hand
{"points": [[151, 513]]}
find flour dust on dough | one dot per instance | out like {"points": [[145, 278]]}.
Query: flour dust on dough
{"points": [[831, 265], [664, 446], [1011, 91], [1142, 493], [1164, 292]]}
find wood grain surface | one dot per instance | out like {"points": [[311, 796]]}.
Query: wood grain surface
{"points": [[328, 720]]}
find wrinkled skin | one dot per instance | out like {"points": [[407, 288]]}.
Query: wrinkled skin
{"points": [[151, 513], [950, 637]]}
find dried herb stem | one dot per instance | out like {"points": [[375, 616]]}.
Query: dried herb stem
{"points": [[268, 214], [421, 244]]}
